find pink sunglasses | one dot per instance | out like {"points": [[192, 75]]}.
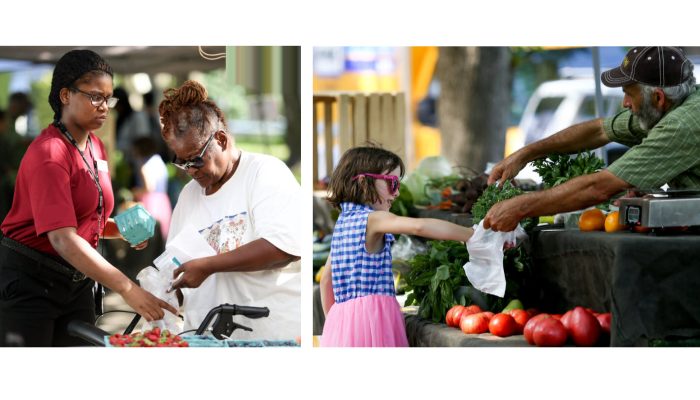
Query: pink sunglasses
{"points": [[391, 180]]}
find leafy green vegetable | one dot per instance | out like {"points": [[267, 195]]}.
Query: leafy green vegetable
{"points": [[492, 195], [556, 169], [443, 182], [434, 277]]}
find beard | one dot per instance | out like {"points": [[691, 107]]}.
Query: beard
{"points": [[648, 115]]}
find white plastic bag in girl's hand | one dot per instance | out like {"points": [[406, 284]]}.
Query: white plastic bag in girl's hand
{"points": [[485, 267]]}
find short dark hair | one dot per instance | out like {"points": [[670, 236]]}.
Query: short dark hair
{"points": [[367, 159], [71, 67], [144, 146]]}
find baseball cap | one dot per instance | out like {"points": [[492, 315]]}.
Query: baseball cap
{"points": [[654, 66]]}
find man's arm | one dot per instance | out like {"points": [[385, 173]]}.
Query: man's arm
{"points": [[584, 136], [578, 193]]}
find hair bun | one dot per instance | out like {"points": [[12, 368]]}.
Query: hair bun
{"points": [[190, 93]]}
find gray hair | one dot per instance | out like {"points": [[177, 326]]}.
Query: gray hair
{"points": [[674, 94]]}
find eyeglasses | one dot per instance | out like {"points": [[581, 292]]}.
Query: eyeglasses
{"points": [[96, 100], [196, 162], [392, 181]]}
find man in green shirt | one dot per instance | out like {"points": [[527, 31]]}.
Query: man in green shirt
{"points": [[661, 123]]}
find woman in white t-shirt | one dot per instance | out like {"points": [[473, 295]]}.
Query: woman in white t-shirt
{"points": [[246, 206]]}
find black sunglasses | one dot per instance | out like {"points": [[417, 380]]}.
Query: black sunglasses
{"points": [[196, 162]]}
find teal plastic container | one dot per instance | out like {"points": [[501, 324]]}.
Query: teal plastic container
{"points": [[136, 224]]}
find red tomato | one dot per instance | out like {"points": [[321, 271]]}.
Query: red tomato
{"points": [[449, 319], [531, 324], [590, 310], [488, 314], [472, 309], [584, 327], [566, 319], [532, 312], [549, 332], [520, 317], [556, 316], [605, 320], [502, 325], [457, 315], [641, 229], [474, 323]]}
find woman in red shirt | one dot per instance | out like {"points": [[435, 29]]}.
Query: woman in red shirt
{"points": [[63, 195]]}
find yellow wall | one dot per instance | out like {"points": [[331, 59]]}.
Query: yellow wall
{"points": [[426, 140]]}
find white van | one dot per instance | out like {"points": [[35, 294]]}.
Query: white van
{"points": [[556, 105]]}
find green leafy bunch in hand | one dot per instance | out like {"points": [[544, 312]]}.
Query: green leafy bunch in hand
{"points": [[556, 169]]}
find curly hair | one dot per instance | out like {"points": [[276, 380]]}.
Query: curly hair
{"points": [[76, 65], [188, 107], [367, 159]]}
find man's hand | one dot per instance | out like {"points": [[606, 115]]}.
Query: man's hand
{"points": [[189, 275], [629, 194], [503, 216], [506, 169]]}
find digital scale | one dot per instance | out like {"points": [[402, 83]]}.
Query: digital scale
{"points": [[662, 209]]}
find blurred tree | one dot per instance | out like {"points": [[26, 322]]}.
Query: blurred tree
{"points": [[474, 103], [291, 59]]}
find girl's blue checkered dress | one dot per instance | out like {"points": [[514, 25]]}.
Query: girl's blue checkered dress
{"points": [[356, 272]]}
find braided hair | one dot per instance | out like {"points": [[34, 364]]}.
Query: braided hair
{"points": [[71, 67], [188, 107]]}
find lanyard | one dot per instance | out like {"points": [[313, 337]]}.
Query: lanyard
{"points": [[93, 171]]}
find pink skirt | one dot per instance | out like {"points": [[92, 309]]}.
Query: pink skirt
{"points": [[368, 321]]}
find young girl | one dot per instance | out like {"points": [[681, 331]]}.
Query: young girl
{"points": [[360, 301]]}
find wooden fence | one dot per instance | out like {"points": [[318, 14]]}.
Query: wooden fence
{"points": [[361, 117]]}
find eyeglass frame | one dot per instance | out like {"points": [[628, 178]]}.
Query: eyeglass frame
{"points": [[196, 162], [390, 179], [104, 99]]}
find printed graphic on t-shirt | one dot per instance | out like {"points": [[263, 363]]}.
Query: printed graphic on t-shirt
{"points": [[227, 233]]}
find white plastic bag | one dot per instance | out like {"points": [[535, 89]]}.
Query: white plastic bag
{"points": [[485, 267], [157, 282]]}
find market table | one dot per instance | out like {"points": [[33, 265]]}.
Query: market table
{"points": [[650, 283]]}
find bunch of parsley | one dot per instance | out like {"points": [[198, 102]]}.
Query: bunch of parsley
{"points": [[556, 169]]}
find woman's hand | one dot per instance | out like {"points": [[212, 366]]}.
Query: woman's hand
{"points": [[141, 245], [145, 304], [189, 275]]}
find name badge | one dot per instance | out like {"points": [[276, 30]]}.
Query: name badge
{"points": [[102, 165]]}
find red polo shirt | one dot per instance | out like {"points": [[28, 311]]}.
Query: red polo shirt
{"points": [[55, 190]]}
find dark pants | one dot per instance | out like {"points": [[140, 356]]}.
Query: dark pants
{"points": [[37, 303]]}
